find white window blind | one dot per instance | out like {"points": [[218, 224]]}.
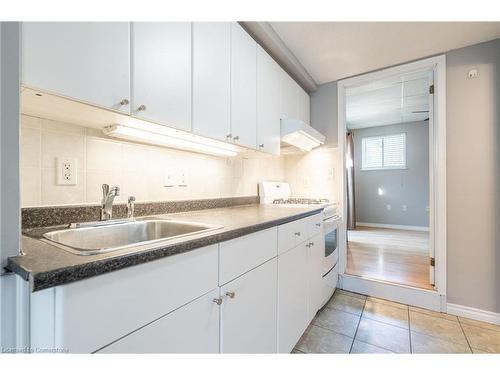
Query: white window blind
{"points": [[384, 152]]}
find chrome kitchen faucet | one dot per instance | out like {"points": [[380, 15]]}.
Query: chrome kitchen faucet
{"points": [[108, 196]]}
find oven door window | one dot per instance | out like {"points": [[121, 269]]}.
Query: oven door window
{"points": [[330, 242]]}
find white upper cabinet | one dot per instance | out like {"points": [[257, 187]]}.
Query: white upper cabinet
{"points": [[87, 61], [212, 79], [294, 100], [243, 87], [268, 103], [303, 105], [161, 72], [289, 97]]}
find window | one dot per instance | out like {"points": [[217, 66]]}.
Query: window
{"points": [[384, 152]]}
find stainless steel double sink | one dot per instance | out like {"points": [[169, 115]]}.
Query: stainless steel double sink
{"points": [[104, 237]]}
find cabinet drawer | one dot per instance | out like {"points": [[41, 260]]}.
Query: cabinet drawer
{"points": [[244, 253], [193, 328], [315, 225], [293, 233], [95, 312]]}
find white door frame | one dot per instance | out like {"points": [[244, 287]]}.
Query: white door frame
{"points": [[434, 299]]}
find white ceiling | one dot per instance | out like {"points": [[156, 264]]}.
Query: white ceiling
{"points": [[399, 99], [333, 50]]}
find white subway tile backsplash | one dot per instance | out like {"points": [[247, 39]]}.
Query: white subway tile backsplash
{"points": [[104, 155], [61, 144], [53, 194], [31, 186], [30, 146], [138, 169], [31, 122]]}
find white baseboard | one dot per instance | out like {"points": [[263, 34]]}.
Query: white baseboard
{"points": [[473, 313], [393, 226]]}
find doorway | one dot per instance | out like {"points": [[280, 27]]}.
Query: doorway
{"points": [[392, 139]]}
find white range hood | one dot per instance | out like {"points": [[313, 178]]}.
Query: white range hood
{"points": [[296, 135]]}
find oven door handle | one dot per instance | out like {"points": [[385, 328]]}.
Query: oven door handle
{"points": [[331, 223]]}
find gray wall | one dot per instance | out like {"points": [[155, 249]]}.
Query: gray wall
{"points": [[9, 180], [473, 165], [324, 112], [408, 187]]}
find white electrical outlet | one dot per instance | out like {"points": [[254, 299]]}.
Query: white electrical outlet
{"points": [[170, 179], [66, 171], [182, 178], [388, 207], [472, 73]]}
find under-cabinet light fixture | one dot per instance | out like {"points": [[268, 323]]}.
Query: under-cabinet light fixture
{"points": [[157, 138]]}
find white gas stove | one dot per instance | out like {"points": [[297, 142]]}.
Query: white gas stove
{"points": [[272, 192]]}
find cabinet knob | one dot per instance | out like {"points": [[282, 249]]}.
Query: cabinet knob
{"points": [[124, 102], [318, 224], [218, 301], [312, 243], [142, 107], [237, 138], [308, 245], [230, 294], [261, 145], [228, 137], [297, 233]]}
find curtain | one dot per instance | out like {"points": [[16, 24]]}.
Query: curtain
{"points": [[351, 207]]}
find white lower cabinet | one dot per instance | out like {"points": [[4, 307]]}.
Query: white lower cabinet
{"points": [[192, 328], [248, 311], [292, 297], [315, 257], [238, 296]]}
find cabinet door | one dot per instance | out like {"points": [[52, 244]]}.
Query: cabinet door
{"points": [[161, 72], [248, 319], [87, 61], [315, 257], [193, 328], [289, 97], [268, 103], [292, 297], [212, 79], [243, 87], [303, 105]]}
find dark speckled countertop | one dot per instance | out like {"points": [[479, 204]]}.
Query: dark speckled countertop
{"points": [[45, 265]]}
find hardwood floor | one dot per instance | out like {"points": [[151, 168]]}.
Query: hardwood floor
{"points": [[398, 256]]}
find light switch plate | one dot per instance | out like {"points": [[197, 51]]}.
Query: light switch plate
{"points": [[66, 171]]}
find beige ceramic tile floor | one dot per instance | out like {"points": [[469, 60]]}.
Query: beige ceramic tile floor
{"points": [[354, 323]]}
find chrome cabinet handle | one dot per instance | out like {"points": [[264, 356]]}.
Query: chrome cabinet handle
{"points": [[237, 138], [142, 107], [124, 102], [228, 137], [312, 243], [218, 301], [230, 294], [297, 233], [318, 224], [261, 145], [308, 245]]}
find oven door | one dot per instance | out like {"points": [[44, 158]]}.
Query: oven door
{"points": [[331, 244]]}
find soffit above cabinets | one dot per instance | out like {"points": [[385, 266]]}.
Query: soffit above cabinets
{"points": [[399, 99], [330, 51]]}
